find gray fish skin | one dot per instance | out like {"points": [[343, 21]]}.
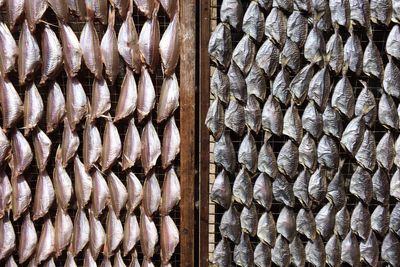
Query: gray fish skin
{"points": [[361, 185], [266, 159], [44, 196], [286, 5], [131, 233], [288, 159], [109, 48], [15, 9], [118, 193], [297, 252], [372, 61], [394, 222], [243, 252], [280, 86], [380, 220], [171, 143], [169, 238], [369, 250], [333, 250], [76, 102], [112, 146], [332, 122], [281, 252], [21, 153], [63, 231], [5, 147], [28, 54], [302, 5], [283, 191], [320, 88], [334, 51], [325, 221], [385, 152], [9, 53], [262, 255], [390, 249], [314, 47], [151, 195], [135, 193], [340, 12], [360, 222], [60, 8], [360, 12], [33, 108], [131, 148], [308, 152], [244, 53], [221, 192], [262, 191], [336, 191], [315, 251], [328, 152], [230, 225], [242, 189], [171, 192], [224, 153], [266, 229], [353, 54], [27, 239], [91, 145], [392, 45], [395, 185], [247, 154], [275, 26], [97, 236], [249, 220], [292, 126], [70, 143], [127, 98], [51, 54], [222, 255], [7, 240], [366, 105], [297, 28], [267, 57], [232, 13], [290, 56], [253, 22], [45, 246], [82, 183], [150, 147], [342, 222], [312, 120], [391, 79], [220, 46], [55, 108], [366, 154], [72, 51], [352, 136], [5, 194], [149, 40], [100, 102], [317, 186], [219, 84], [272, 116], [146, 96], [237, 83], [42, 147], [101, 194], [169, 98], [300, 188], [396, 11], [235, 117], [381, 11], [387, 112], [343, 97], [21, 196], [252, 113], [286, 224], [299, 85]]}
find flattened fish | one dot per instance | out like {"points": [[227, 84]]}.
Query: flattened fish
{"points": [[305, 224], [109, 48], [300, 188], [315, 46], [51, 53], [33, 108], [220, 46], [288, 159], [146, 7], [247, 154], [70, 143], [72, 51], [45, 246], [232, 13], [366, 154], [353, 135], [317, 186], [134, 188], [396, 11], [118, 193], [224, 153], [97, 236], [266, 229], [286, 224], [77, 103], [9, 53], [244, 53], [118, 261], [333, 250], [123, 6], [215, 119], [292, 126], [252, 113], [44, 196], [361, 185], [353, 53], [315, 251], [297, 28], [392, 42], [262, 191], [334, 51], [360, 222], [11, 262], [112, 147], [325, 221], [5, 146], [390, 249], [387, 112], [297, 252], [219, 83], [170, 46], [360, 12], [343, 97], [78, 8], [312, 120], [237, 83], [281, 252], [391, 79], [100, 196], [151, 195], [7, 240], [299, 85], [171, 192], [366, 105], [320, 88], [131, 233], [280, 86], [336, 191], [127, 97], [91, 145], [394, 222], [21, 196], [82, 183], [21, 153], [169, 238], [169, 97], [342, 222], [63, 231], [266, 158], [283, 191], [171, 144], [275, 26], [148, 234], [55, 108], [372, 60], [380, 220], [170, 7], [328, 152], [242, 188], [249, 220], [149, 39], [340, 12], [42, 147], [272, 116], [15, 9], [5, 194], [395, 185], [81, 230], [351, 250], [27, 239], [114, 233], [253, 22], [369, 250], [150, 147], [243, 252], [230, 225], [385, 151], [267, 57], [262, 255], [131, 148], [381, 11], [90, 46], [60, 8]]}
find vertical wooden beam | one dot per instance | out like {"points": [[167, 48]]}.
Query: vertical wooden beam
{"points": [[187, 130], [204, 85]]}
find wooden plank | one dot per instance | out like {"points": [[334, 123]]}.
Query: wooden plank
{"points": [[204, 85], [187, 130]]}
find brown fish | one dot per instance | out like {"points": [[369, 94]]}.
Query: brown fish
{"points": [[97, 235], [170, 46], [72, 51], [9, 53], [91, 145], [27, 239], [127, 98], [28, 55], [11, 104], [131, 148], [171, 143], [44, 196], [77, 103], [70, 143], [171, 192], [60, 8], [100, 196], [55, 109], [21, 153], [148, 234], [33, 108], [147, 7], [15, 9], [5, 194], [150, 147], [82, 183], [146, 95], [51, 53], [118, 193], [63, 231], [169, 238], [21, 196], [123, 6], [45, 246], [131, 233], [81, 231], [90, 46], [112, 147], [149, 39], [169, 98], [135, 194]]}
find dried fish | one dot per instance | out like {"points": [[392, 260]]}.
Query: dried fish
{"points": [[283, 191], [366, 154], [244, 54], [272, 117], [320, 88], [391, 79], [308, 152], [252, 113], [63, 231], [131, 233], [90, 46], [366, 105], [224, 153], [342, 222], [325, 221], [171, 192], [77, 103], [254, 22], [242, 189], [123, 6], [72, 51], [247, 154], [315, 251], [151, 195], [292, 126], [5, 194], [390, 248], [14, 9], [169, 238], [317, 186], [290, 56], [380, 220], [385, 151], [21, 196], [266, 229], [387, 112], [267, 57], [118, 193], [97, 236], [51, 53], [111, 146], [333, 250], [299, 85], [44, 196], [100, 197], [45, 246], [55, 107], [312, 120], [305, 224], [170, 7], [372, 60], [169, 98], [280, 86], [353, 135], [394, 222], [314, 47], [237, 83], [150, 147], [149, 40], [353, 53], [297, 252], [276, 26], [148, 234], [266, 159], [170, 44], [262, 191], [262, 255], [21, 153], [33, 108], [235, 117], [381, 11], [230, 225], [9, 53], [343, 97], [243, 252], [340, 12], [232, 13], [328, 152], [249, 220], [81, 231], [361, 185], [351, 250], [360, 12], [127, 98], [134, 188], [336, 192], [146, 95], [395, 185], [369, 250], [300, 187], [27, 239], [360, 222], [131, 148], [70, 143], [60, 8], [288, 159], [82, 183], [286, 224], [91, 145], [114, 233], [281, 252], [219, 46], [297, 28]]}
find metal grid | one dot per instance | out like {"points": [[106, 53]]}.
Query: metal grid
{"points": [[380, 34], [86, 79]]}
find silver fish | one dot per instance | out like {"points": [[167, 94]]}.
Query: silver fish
{"points": [[391, 78], [82, 183], [360, 222], [351, 250], [224, 153], [387, 112], [394, 222], [150, 147], [352, 136], [169, 238], [33, 12], [44, 196], [336, 192], [328, 152], [360, 12], [70, 262], [70, 143], [300, 188], [280, 86], [333, 250], [101, 195], [297, 28], [91, 145], [63, 231], [237, 83], [72, 51], [317, 186], [253, 22], [267, 57], [27, 239], [390, 248], [353, 55], [394, 185], [146, 95], [340, 12], [60, 8], [325, 221], [222, 255], [288, 159], [249, 220], [381, 11], [7, 240], [77, 103], [369, 250], [366, 154], [14, 9], [131, 148], [51, 54], [90, 46], [5, 147], [9, 53], [315, 46], [135, 194], [232, 13], [219, 84], [169, 98], [242, 188], [97, 235], [109, 48], [332, 122], [33, 108], [235, 117], [366, 105], [171, 192], [262, 191], [255, 82], [305, 224], [292, 126], [88, 259], [244, 54], [266, 229], [283, 191], [372, 60], [290, 56], [118, 261], [385, 151], [315, 251], [28, 55], [247, 154], [281, 252], [266, 158], [21, 196], [21, 153], [170, 7], [243, 252], [312, 120], [380, 220], [299, 85], [219, 46], [320, 88], [55, 109], [342, 222], [302, 5], [112, 146], [230, 225], [148, 234], [131, 233], [45, 246], [5, 194], [361, 185], [297, 252], [151, 195], [392, 45], [97, 9], [262, 255], [81, 231], [308, 152], [149, 39], [276, 26], [396, 11], [127, 98], [286, 224], [118, 193], [343, 97], [252, 113]]}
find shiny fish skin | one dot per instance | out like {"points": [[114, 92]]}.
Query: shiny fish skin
{"points": [[169, 98], [219, 83], [82, 183], [247, 154], [100, 197], [131, 147], [242, 189], [51, 54], [224, 153], [72, 51], [149, 39], [353, 135], [280, 86], [63, 231], [280, 252], [127, 98], [315, 251], [55, 109], [169, 238], [333, 250], [21, 196], [360, 222], [244, 54], [252, 113], [21, 153], [300, 188], [33, 108], [350, 250], [28, 55], [325, 221], [148, 234], [232, 13], [91, 145], [312, 120], [395, 185], [76, 102], [118, 193], [390, 249], [342, 222], [170, 7], [391, 79], [219, 46], [5, 194], [171, 192], [283, 191], [112, 147], [118, 261], [151, 195], [290, 56], [243, 252], [44, 196], [299, 85], [80, 234], [392, 42], [396, 11], [380, 220], [42, 146], [90, 46], [314, 47], [146, 95], [276, 26], [297, 252], [253, 22], [360, 12], [336, 191], [288, 159], [366, 105], [385, 152], [266, 229], [305, 224], [340, 12], [230, 225], [150, 147], [70, 143], [134, 188], [267, 160], [343, 97], [297, 28], [328, 152], [101, 102], [249, 220], [15, 9], [131, 233], [366, 154], [394, 222], [237, 83], [262, 255], [286, 224], [387, 112], [60, 8], [361, 185], [262, 191], [7, 240], [369, 250], [320, 88], [45, 246], [222, 255], [372, 61], [353, 54], [97, 236], [308, 152], [292, 126], [381, 11], [235, 117], [317, 186], [27, 239], [9, 53], [255, 82], [267, 57]]}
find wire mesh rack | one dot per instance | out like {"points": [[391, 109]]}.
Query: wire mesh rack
{"points": [[380, 34], [86, 79]]}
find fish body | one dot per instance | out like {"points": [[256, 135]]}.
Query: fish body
{"points": [[97, 236], [276, 26], [146, 95], [51, 54], [232, 13], [222, 255], [55, 108], [82, 183], [44, 196], [283, 191], [149, 40], [6, 194], [63, 231], [219, 46], [90, 46], [21, 153], [169, 238], [305, 224], [266, 229], [224, 152], [70, 143], [253, 22], [91, 145], [131, 147], [300, 188], [380, 220], [118, 193], [135, 192], [10, 51], [243, 252], [230, 225], [101, 102], [76, 102], [148, 234], [60, 8], [150, 147], [171, 192], [308, 152], [249, 220], [45, 245], [80, 234], [267, 57], [21, 196], [100, 196], [28, 54], [262, 191], [244, 53], [33, 108], [131, 233], [127, 98], [72, 51], [27, 239], [15, 10], [242, 188], [112, 146]]}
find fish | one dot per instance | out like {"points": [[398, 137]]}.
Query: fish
{"points": [[71, 49], [81, 232], [101, 195], [247, 153], [244, 54], [5, 147], [33, 108], [148, 234], [252, 113], [385, 152], [366, 154], [325, 221], [29, 59], [266, 229], [131, 147], [44, 196], [171, 192], [118, 261], [391, 42], [305, 224], [262, 255], [333, 251], [232, 13], [308, 152], [169, 46], [342, 222], [343, 97], [315, 46], [380, 220], [169, 98], [98, 9], [146, 95], [242, 188], [169, 238], [267, 58], [149, 263], [262, 191], [255, 82], [123, 6], [70, 261], [290, 56], [112, 146], [391, 77], [34, 11], [60, 8], [360, 13], [230, 225], [21, 196], [10, 262], [288, 159], [286, 5], [280, 86], [366, 105], [396, 11], [237, 83], [63, 231], [147, 7], [292, 125], [249, 220], [243, 254], [219, 84], [360, 222], [5, 194], [55, 108], [135, 192], [109, 48], [387, 113], [297, 28], [297, 252], [106, 262], [131, 233], [118, 193], [88, 259], [272, 116], [90, 46], [77, 103], [298, 87], [83, 183], [286, 224], [312, 120], [394, 185], [253, 22], [350, 250], [320, 88], [22, 155], [353, 134], [390, 248], [45, 246], [381, 11], [276, 26], [336, 191], [78, 8], [149, 39], [70, 143], [52, 58], [97, 236], [151, 195], [170, 7], [9, 53], [315, 251], [266, 158], [369, 250], [340, 12], [317, 186], [150, 147], [126, 104], [7, 241], [394, 221], [302, 5], [328, 152], [281, 252], [91, 145], [27, 239], [15, 10], [300, 188], [219, 46], [372, 60], [361, 185], [224, 153], [282, 191], [353, 53]]}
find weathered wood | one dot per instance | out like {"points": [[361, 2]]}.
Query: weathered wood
{"points": [[187, 130]]}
